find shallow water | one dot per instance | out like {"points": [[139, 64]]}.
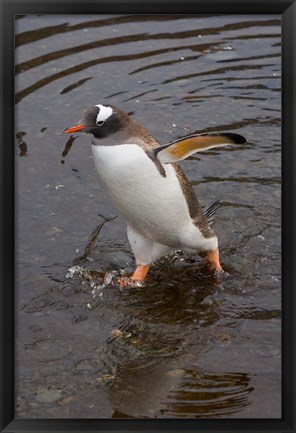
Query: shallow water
{"points": [[186, 344]]}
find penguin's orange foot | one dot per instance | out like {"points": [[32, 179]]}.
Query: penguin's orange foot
{"points": [[140, 272], [213, 260], [123, 282], [136, 279]]}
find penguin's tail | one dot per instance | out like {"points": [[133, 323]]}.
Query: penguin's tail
{"points": [[210, 212]]}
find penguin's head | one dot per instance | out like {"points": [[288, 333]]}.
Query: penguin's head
{"points": [[101, 121]]}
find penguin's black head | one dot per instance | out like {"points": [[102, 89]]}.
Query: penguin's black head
{"points": [[101, 121]]}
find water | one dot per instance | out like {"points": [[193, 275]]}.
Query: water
{"points": [[186, 344]]}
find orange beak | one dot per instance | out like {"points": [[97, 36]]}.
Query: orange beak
{"points": [[73, 129]]}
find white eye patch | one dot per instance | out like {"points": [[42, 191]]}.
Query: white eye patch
{"points": [[104, 113]]}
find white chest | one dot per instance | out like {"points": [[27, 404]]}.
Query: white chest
{"points": [[133, 179], [152, 204]]}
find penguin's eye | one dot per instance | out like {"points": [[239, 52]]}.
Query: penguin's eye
{"points": [[100, 122]]}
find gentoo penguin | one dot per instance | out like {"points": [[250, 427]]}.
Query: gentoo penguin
{"points": [[149, 188]]}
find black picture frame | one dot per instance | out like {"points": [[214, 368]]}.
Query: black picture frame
{"points": [[287, 9]]}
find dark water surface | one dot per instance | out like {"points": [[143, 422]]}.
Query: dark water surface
{"points": [[187, 344]]}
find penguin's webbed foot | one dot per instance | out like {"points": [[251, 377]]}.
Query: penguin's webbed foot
{"points": [[213, 260], [123, 282], [140, 272], [136, 280]]}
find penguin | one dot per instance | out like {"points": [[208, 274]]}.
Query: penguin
{"points": [[149, 188]]}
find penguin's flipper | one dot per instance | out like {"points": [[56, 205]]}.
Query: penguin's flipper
{"points": [[184, 147]]}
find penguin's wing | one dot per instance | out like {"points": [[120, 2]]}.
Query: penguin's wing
{"points": [[184, 147]]}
